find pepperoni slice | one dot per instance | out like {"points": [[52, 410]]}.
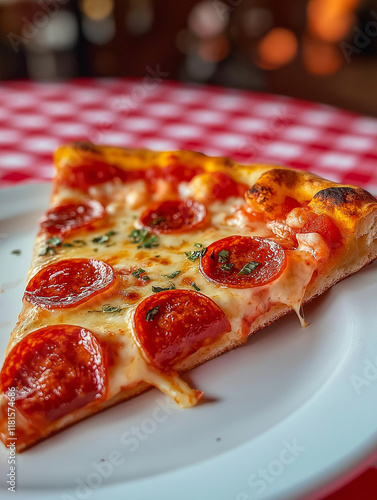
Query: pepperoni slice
{"points": [[55, 370], [95, 172], [174, 173], [173, 216], [64, 218], [173, 324], [243, 261], [180, 173], [68, 283]]}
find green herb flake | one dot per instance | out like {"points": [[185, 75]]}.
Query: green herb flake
{"points": [[107, 308], [195, 254], [152, 313], [223, 256], [226, 267], [101, 239], [104, 238], [172, 275], [195, 287], [157, 289], [51, 244], [79, 243], [138, 235], [54, 241], [151, 242], [145, 238], [199, 245], [248, 268], [16, 252], [138, 272]]}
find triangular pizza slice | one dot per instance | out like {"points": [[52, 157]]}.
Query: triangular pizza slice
{"points": [[147, 264]]}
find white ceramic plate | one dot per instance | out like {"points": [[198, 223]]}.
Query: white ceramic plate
{"points": [[288, 414]]}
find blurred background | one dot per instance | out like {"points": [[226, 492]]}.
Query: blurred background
{"points": [[321, 50]]}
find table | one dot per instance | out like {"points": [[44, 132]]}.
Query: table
{"points": [[157, 114]]}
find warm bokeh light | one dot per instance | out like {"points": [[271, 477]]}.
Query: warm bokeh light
{"points": [[97, 9], [321, 58], [277, 48], [214, 49], [204, 21], [330, 20]]}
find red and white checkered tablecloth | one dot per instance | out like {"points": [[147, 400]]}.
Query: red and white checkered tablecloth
{"points": [[35, 118]]}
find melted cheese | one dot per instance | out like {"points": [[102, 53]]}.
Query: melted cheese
{"points": [[124, 209]]}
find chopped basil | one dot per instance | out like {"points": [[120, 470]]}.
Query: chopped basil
{"points": [[138, 272], [199, 245], [51, 243], [79, 243], [152, 313], [226, 267], [16, 252], [248, 268], [195, 254], [195, 287], [223, 256], [151, 242], [157, 289], [100, 239], [54, 241], [172, 275], [138, 235], [103, 238], [145, 238], [108, 308]]}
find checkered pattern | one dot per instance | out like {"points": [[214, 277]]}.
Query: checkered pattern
{"points": [[249, 127]]}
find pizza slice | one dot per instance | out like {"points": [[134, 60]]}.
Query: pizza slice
{"points": [[148, 264]]}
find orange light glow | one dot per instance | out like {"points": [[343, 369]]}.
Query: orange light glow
{"points": [[330, 20], [321, 58], [277, 48], [214, 49], [97, 9]]}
